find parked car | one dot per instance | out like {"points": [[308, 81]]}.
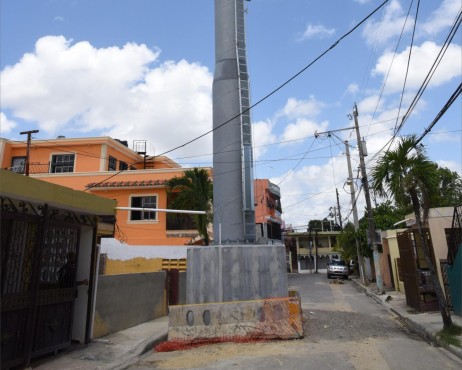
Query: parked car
{"points": [[338, 268]]}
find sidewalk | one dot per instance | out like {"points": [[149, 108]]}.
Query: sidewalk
{"points": [[115, 351], [426, 324], [120, 350]]}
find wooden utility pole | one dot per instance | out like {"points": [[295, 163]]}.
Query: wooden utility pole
{"points": [[29, 134], [355, 213], [370, 218], [339, 214]]}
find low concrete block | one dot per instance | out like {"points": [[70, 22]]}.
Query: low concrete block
{"points": [[274, 318]]}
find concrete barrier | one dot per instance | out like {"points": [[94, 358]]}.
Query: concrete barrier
{"points": [[274, 318]]}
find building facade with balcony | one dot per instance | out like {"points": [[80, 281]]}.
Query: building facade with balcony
{"points": [[268, 211], [109, 168]]}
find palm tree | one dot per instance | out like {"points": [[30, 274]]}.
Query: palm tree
{"points": [[407, 175], [194, 191]]}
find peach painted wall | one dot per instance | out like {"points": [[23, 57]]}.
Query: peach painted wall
{"points": [[91, 155], [261, 208]]}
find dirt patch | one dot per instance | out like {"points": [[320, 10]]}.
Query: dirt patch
{"points": [[205, 355]]}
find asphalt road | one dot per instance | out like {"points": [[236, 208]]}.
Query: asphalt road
{"points": [[344, 329]]}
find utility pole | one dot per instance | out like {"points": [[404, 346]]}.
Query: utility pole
{"points": [[316, 252], [365, 182], [29, 134], [339, 214], [355, 212]]}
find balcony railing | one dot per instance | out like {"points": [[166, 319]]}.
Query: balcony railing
{"points": [[34, 168]]}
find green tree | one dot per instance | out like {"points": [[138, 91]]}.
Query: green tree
{"points": [[407, 175], [449, 192], [347, 242], [193, 191], [386, 215]]}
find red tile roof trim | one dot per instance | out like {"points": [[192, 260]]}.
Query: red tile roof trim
{"points": [[119, 184]]}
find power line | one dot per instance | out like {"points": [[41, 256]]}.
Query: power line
{"points": [[440, 114], [391, 64], [269, 94], [434, 66], [283, 84], [408, 61]]}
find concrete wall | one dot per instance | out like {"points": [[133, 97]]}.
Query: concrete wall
{"points": [[385, 267], [182, 289], [390, 236], [439, 220], [123, 301]]}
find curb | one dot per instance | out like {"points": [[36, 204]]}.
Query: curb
{"points": [[420, 330], [139, 350]]}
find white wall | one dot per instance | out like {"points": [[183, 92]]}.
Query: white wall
{"points": [[116, 250]]}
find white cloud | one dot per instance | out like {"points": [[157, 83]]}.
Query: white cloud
{"points": [[262, 136], [353, 88], [307, 108], [318, 31], [116, 91], [422, 59], [370, 104], [302, 128], [444, 137], [297, 116], [308, 192], [442, 17], [390, 26], [6, 125]]}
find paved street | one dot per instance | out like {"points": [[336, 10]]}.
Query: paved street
{"points": [[344, 329]]}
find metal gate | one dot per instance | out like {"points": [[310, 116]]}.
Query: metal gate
{"points": [[39, 251], [420, 292], [408, 268]]}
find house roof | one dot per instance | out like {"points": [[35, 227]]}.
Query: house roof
{"points": [[16, 186]]}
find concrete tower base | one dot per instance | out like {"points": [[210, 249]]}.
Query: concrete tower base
{"points": [[236, 273], [236, 292]]}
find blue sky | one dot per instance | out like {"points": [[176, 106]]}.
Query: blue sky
{"points": [[143, 69]]}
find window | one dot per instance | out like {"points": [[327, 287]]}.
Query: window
{"points": [[112, 165], [62, 163], [123, 166], [17, 164], [143, 202]]}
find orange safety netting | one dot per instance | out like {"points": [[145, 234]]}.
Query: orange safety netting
{"points": [[181, 345]]}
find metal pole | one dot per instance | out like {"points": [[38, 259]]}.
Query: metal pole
{"points": [[28, 133], [316, 253], [161, 210], [355, 212], [378, 274]]}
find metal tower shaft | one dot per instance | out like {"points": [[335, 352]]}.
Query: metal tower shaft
{"points": [[234, 214]]}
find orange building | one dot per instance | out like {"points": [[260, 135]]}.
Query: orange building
{"points": [[109, 168], [267, 211]]}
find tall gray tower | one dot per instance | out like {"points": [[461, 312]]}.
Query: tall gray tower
{"points": [[242, 270], [233, 199]]}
